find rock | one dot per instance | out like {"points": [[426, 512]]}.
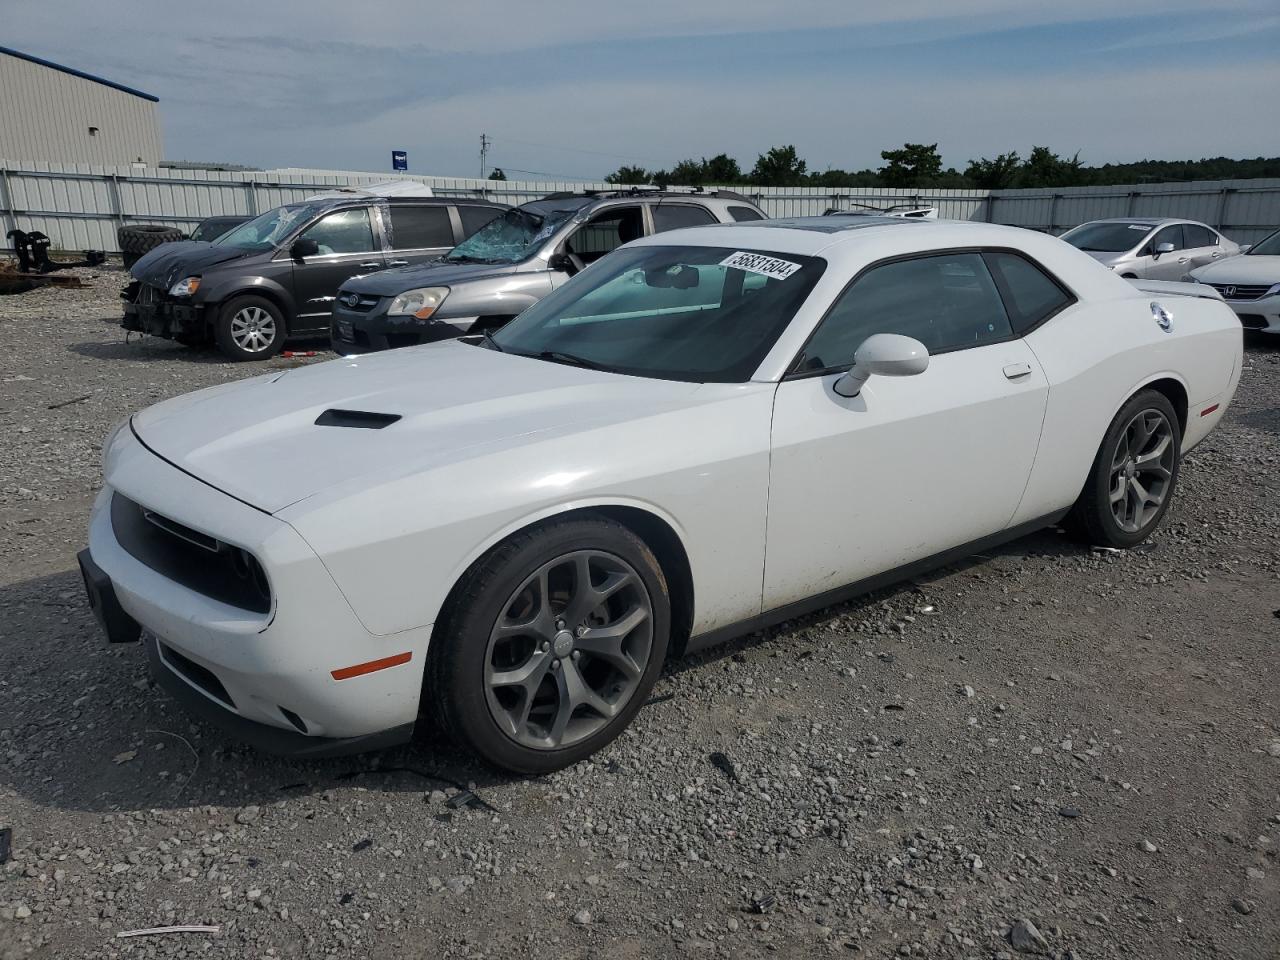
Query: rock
{"points": [[582, 917], [1273, 748], [968, 691], [1026, 938], [1242, 907], [21, 911], [248, 815], [1147, 846], [1069, 812], [1255, 873]]}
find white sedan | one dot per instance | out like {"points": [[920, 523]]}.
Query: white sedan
{"points": [[1250, 284], [704, 432]]}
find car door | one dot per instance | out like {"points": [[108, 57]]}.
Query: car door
{"points": [[418, 232], [1166, 266], [347, 248], [601, 235], [910, 467]]}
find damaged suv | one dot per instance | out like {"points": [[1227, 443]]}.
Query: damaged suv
{"points": [[513, 262], [276, 276]]}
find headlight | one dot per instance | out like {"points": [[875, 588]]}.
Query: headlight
{"points": [[421, 303], [185, 288]]}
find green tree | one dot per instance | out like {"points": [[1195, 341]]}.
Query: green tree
{"points": [[497, 174], [1044, 168], [997, 174], [780, 167], [721, 168], [629, 174], [915, 165]]}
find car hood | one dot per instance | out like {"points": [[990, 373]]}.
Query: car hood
{"points": [[258, 440], [168, 263], [435, 273], [1244, 269]]}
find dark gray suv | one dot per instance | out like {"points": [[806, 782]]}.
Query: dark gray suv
{"points": [[276, 276], [514, 261]]}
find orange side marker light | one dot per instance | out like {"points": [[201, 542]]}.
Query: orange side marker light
{"points": [[360, 669], [1208, 410]]}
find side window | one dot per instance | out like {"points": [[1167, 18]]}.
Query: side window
{"points": [[743, 214], [473, 217], [1171, 234], [415, 226], [345, 231], [673, 216], [1198, 236], [605, 233], [1030, 295], [946, 301]]}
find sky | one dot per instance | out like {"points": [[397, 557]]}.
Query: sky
{"points": [[572, 89]]}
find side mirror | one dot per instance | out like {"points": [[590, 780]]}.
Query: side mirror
{"points": [[560, 261], [304, 247], [884, 355], [1165, 247]]}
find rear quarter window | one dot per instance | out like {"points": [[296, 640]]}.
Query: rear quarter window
{"points": [[1030, 295], [743, 214]]}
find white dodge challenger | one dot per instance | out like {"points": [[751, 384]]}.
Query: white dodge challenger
{"points": [[704, 432]]}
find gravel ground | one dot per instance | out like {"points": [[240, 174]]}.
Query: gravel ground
{"points": [[1043, 750]]}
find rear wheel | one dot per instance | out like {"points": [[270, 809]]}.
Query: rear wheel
{"points": [[1134, 473], [551, 645], [249, 328]]}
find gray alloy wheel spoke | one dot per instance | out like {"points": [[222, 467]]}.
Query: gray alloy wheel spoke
{"points": [[253, 329], [1141, 470], [568, 649]]}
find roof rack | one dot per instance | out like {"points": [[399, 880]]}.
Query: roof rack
{"points": [[908, 211], [649, 190]]}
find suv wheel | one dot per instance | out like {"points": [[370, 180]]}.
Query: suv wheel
{"points": [[249, 328]]}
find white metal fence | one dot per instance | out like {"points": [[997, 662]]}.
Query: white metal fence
{"points": [[79, 206]]}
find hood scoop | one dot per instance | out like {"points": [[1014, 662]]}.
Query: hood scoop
{"points": [[362, 419]]}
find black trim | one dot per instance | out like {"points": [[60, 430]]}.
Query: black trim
{"points": [[260, 735], [365, 419], [103, 603], [794, 374], [880, 580], [78, 73], [1006, 294]]}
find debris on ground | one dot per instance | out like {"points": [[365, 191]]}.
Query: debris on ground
{"points": [[154, 931]]}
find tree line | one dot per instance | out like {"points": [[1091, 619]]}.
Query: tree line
{"points": [[920, 165]]}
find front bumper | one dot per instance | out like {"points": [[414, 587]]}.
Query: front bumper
{"points": [[266, 677], [1262, 315], [147, 311], [354, 331]]}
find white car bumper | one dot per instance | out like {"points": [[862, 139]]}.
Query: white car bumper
{"points": [[1262, 314], [274, 669]]}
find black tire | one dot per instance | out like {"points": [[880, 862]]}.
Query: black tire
{"points": [[143, 237], [455, 687], [229, 336], [1093, 517]]}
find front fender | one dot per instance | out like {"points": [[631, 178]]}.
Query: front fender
{"points": [[215, 291]]}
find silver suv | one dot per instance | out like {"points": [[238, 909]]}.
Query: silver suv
{"points": [[512, 262], [1151, 248]]}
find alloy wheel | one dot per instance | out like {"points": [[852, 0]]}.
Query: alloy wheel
{"points": [[1141, 470], [253, 329], [568, 649]]}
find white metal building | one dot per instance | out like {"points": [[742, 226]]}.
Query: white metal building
{"points": [[53, 113]]}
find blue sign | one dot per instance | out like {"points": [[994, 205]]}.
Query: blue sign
{"points": [[399, 160]]}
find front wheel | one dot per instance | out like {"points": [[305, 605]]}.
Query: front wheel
{"points": [[1134, 473], [249, 328], [551, 644]]}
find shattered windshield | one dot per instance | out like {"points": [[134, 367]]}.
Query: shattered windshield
{"points": [[518, 233], [269, 230]]}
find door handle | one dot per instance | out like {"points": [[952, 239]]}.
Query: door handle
{"points": [[1215, 254], [1183, 259], [398, 263], [371, 266], [1016, 371]]}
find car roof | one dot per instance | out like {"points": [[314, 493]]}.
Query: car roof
{"points": [[1154, 221]]}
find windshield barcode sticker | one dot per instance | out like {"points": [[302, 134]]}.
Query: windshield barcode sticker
{"points": [[1140, 226], [759, 263]]}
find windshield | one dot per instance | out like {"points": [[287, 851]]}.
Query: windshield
{"points": [[1266, 247], [518, 233], [703, 314], [1108, 237], [269, 230]]}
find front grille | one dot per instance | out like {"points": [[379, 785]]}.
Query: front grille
{"points": [[218, 570], [1252, 321], [1242, 291], [362, 305], [199, 676]]}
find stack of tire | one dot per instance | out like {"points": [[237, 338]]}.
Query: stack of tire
{"points": [[138, 239]]}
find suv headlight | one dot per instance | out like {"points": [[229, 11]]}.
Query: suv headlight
{"points": [[420, 303], [185, 288]]}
